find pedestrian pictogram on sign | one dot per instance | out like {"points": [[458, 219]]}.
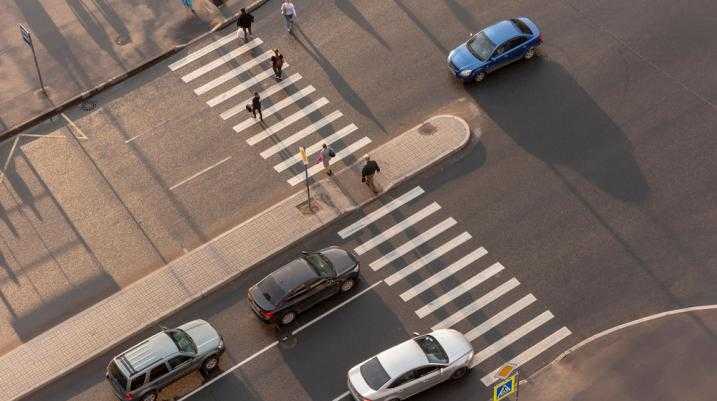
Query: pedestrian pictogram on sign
{"points": [[504, 389]]}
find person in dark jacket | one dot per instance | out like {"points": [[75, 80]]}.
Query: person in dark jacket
{"points": [[256, 106], [244, 22], [277, 62], [368, 172]]}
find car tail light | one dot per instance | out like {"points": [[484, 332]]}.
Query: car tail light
{"points": [[128, 396], [267, 314]]}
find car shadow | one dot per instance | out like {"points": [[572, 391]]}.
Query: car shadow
{"points": [[546, 112]]}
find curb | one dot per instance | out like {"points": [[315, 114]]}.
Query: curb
{"points": [[340, 214], [615, 329], [121, 77]]}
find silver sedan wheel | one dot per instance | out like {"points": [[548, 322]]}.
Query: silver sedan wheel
{"points": [[530, 53], [479, 77], [459, 373], [210, 364]]}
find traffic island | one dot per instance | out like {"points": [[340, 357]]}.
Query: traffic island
{"points": [[142, 304]]}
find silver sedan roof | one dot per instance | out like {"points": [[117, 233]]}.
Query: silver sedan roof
{"points": [[401, 358]]}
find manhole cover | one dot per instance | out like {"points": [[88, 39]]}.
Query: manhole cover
{"points": [[122, 40], [87, 105], [427, 129]]}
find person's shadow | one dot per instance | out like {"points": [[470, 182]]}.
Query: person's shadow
{"points": [[548, 113]]}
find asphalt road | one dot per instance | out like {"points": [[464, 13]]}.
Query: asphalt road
{"points": [[592, 184]]}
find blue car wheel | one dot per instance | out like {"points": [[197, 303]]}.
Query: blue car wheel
{"points": [[530, 53], [479, 76]]}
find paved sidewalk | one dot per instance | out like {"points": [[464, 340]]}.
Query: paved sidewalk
{"points": [[83, 45], [669, 358], [84, 336]]}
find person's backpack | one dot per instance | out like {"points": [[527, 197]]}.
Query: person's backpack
{"points": [[332, 153]]}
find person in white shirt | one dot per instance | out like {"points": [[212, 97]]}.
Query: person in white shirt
{"points": [[289, 12]]}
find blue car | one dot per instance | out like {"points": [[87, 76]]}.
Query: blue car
{"points": [[495, 47]]}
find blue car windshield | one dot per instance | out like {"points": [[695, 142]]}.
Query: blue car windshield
{"points": [[481, 46]]}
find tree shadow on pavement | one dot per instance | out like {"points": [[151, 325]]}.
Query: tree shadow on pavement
{"points": [[352, 12], [463, 15], [546, 112], [421, 26], [94, 29]]}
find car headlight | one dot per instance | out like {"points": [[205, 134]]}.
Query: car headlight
{"points": [[221, 343], [466, 73]]}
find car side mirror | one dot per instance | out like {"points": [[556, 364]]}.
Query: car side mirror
{"points": [[164, 328]]}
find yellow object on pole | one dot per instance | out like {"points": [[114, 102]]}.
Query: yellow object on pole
{"points": [[302, 154]]}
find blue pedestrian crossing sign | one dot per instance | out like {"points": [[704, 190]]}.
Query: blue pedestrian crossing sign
{"points": [[504, 388]]}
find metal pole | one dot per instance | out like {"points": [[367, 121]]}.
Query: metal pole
{"points": [[308, 191], [37, 67]]}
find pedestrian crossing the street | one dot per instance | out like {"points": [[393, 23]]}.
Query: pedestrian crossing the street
{"points": [[450, 281], [226, 72]]}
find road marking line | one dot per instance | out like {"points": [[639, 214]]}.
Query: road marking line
{"points": [[285, 143], [341, 397], [275, 107], [221, 60], [459, 290], [397, 228], [201, 52], [343, 132], [340, 155], [380, 212], [298, 115], [233, 73], [428, 258], [527, 355], [477, 305], [74, 126], [316, 319], [413, 243], [198, 174], [263, 95], [12, 150], [510, 338], [443, 274], [242, 86], [500, 317], [275, 343]]}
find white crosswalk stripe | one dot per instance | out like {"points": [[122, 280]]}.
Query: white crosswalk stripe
{"points": [[292, 139], [443, 274], [500, 317], [276, 107], [380, 212], [510, 338], [459, 290], [527, 355], [477, 305], [329, 140], [263, 95], [241, 87], [234, 72], [221, 60], [340, 155], [413, 243], [274, 129], [397, 228], [428, 258], [203, 51]]}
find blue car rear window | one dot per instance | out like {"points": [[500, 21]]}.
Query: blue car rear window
{"points": [[521, 26]]}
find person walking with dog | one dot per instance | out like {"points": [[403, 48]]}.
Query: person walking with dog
{"points": [[244, 23]]}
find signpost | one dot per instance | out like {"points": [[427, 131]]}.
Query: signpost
{"points": [[507, 384], [305, 160], [27, 38]]}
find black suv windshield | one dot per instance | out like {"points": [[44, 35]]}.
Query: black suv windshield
{"points": [[182, 340], [434, 352], [322, 265], [374, 374], [481, 46]]}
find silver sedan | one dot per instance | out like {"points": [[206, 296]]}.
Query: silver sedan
{"points": [[411, 367]]}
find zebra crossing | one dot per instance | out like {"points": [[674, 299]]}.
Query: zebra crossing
{"points": [[455, 284], [226, 72]]}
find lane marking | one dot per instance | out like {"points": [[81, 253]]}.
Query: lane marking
{"points": [[74, 127], [340, 155], [380, 212], [275, 107], [242, 86], [413, 243], [443, 274], [510, 338], [341, 397], [329, 140], [285, 143], [527, 355], [500, 317], [459, 290], [221, 60], [477, 305], [275, 343], [201, 52], [428, 258], [263, 95], [234, 72], [397, 228], [198, 174], [298, 115]]}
